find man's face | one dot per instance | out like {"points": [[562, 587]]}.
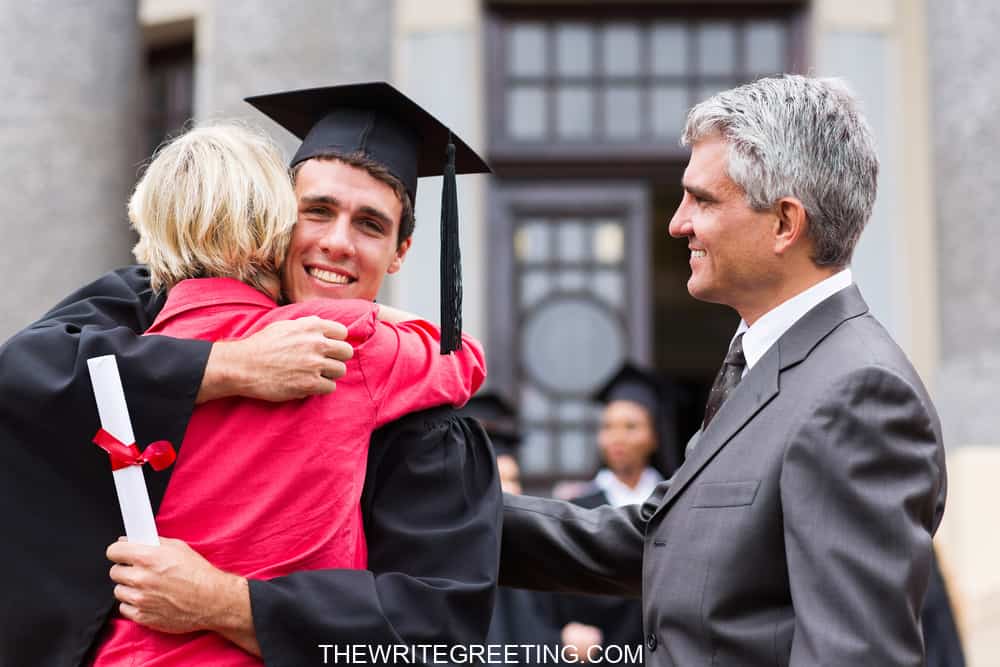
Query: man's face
{"points": [[344, 242], [732, 245]]}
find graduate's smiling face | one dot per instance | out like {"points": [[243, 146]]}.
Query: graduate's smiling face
{"points": [[346, 237]]}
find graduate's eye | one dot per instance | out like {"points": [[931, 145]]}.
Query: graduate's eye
{"points": [[371, 225], [317, 213]]}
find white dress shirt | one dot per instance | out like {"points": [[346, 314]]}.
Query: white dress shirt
{"points": [[766, 331], [620, 494]]}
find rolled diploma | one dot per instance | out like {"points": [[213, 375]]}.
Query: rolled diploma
{"points": [[133, 497]]}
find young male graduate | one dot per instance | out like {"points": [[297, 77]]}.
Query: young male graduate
{"points": [[431, 502]]}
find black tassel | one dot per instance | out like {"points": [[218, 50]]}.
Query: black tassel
{"points": [[451, 259]]}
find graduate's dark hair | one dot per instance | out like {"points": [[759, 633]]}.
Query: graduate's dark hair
{"points": [[376, 170]]}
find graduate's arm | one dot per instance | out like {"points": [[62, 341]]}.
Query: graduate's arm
{"points": [[432, 519], [43, 371], [554, 545], [284, 361]]}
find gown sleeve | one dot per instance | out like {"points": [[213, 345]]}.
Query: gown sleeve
{"points": [[60, 510], [432, 516]]}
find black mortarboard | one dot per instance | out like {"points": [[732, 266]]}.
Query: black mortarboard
{"points": [[499, 419], [382, 123], [632, 383]]}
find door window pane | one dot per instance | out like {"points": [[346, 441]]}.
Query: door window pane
{"points": [[573, 412], [610, 286], [569, 345], [531, 241], [535, 286], [577, 452], [572, 241], [572, 281], [609, 242], [535, 405], [535, 451]]}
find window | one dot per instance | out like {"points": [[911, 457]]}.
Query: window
{"points": [[170, 92], [586, 105], [581, 85]]}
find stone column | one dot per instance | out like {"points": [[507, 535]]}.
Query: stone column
{"points": [[260, 46], [68, 147], [965, 101], [967, 182]]}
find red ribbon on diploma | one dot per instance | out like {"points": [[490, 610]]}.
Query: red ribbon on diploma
{"points": [[159, 454]]}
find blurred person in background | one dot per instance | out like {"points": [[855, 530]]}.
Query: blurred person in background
{"points": [[636, 432], [519, 616]]}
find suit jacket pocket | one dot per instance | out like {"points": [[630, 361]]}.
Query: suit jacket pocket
{"points": [[725, 494]]}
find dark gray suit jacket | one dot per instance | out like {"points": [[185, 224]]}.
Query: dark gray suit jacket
{"points": [[798, 532]]}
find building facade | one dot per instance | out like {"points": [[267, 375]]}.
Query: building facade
{"points": [[578, 106]]}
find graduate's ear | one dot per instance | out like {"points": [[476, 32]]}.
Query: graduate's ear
{"points": [[791, 225], [397, 261]]}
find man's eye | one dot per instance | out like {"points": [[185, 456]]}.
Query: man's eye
{"points": [[372, 225]]}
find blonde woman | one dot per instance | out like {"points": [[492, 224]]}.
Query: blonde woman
{"points": [[265, 489]]}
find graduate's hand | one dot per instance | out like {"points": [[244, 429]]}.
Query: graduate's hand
{"points": [[579, 639], [172, 588], [283, 361]]}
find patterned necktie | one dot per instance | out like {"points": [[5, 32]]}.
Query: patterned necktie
{"points": [[729, 376]]}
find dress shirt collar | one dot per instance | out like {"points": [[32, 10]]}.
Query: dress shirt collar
{"points": [[620, 494], [766, 331]]}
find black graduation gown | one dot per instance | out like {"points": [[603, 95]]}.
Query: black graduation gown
{"points": [[431, 504], [941, 640], [520, 619], [619, 619]]}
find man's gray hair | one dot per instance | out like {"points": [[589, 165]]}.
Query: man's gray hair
{"points": [[795, 136]]}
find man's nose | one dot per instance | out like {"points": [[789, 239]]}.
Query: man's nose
{"points": [[680, 224], [337, 240]]}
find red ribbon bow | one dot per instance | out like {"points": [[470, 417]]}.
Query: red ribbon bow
{"points": [[159, 454]]}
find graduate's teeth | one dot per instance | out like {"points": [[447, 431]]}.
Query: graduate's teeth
{"points": [[698, 253], [329, 276]]}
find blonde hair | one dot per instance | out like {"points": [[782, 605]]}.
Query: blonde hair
{"points": [[216, 201]]}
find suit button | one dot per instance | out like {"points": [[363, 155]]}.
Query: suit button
{"points": [[651, 641]]}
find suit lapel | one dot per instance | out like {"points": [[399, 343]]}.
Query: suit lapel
{"points": [[762, 384], [746, 400]]}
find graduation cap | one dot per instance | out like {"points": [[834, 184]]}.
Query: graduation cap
{"points": [[378, 121], [499, 419], [631, 383], [635, 384]]}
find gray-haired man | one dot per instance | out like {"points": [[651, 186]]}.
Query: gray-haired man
{"points": [[798, 530]]}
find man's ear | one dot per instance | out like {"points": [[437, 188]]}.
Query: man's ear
{"points": [[397, 261], [791, 224]]}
